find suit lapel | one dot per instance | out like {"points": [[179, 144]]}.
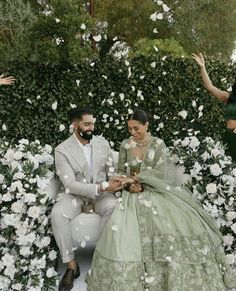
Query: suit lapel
{"points": [[78, 154], [96, 154]]}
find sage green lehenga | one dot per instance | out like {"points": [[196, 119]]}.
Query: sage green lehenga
{"points": [[160, 239]]}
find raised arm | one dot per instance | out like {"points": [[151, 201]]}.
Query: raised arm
{"points": [[219, 94]]}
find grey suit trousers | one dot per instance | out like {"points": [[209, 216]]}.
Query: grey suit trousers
{"points": [[69, 207]]}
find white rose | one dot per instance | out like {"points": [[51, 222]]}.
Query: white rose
{"points": [[211, 188], [194, 142], [25, 251], [215, 152], [9, 220], [230, 259], [17, 286], [228, 239], [51, 272], [234, 172], [7, 197], [231, 215], [34, 212], [24, 141], [216, 170], [233, 227], [18, 155], [8, 260], [185, 142], [183, 114], [45, 241], [17, 206], [18, 176], [29, 198], [1, 179], [52, 255]]}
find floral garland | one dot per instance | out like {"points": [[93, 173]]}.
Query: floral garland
{"points": [[213, 183], [27, 253]]}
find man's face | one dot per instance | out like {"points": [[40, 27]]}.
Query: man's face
{"points": [[85, 126]]}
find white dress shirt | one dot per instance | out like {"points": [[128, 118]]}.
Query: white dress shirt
{"points": [[87, 149]]}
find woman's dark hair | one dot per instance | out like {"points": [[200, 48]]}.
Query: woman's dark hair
{"points": [[79, 112], [232, 96], [140, 115]]}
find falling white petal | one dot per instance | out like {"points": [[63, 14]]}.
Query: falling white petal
{"points": [[54, 105], [114, 227]]}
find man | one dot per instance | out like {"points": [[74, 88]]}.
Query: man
{"points": [[82, 163]]}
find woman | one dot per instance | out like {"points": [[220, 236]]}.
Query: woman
{"points": [[158, 237], [230, 110]]}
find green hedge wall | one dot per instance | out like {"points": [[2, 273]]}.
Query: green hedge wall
{"points": [[112, 88]]}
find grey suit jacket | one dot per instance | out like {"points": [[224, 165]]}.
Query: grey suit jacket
{"points": [[73, 170]]}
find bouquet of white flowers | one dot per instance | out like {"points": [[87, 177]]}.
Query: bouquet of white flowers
{"points": [[213, 183], [27, 255]]}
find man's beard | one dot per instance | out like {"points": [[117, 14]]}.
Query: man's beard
{"points": [[84, 134]]}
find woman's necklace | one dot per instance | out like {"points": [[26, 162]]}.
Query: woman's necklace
{"points": [[143, 143]]}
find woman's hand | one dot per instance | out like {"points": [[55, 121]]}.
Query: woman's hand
{"points": [[135, 188], [6, 81], [199, 59]]}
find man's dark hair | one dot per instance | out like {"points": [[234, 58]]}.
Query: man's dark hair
{"points": [[79, 112]]}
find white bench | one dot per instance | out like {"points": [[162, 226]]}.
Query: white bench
{"points": [[86, 227]]}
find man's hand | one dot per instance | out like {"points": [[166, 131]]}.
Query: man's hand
{"points": [[112, 186], [7, 80]]}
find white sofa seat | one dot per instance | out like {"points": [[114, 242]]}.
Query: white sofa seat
{"points": [[86, 227]]}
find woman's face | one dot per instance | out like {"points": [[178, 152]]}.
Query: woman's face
{"points": [[137, 129]]}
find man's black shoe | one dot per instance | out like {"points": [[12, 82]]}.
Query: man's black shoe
{"points": [[67, 281]]}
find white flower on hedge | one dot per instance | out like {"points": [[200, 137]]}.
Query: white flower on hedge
{"points": [[183, 114], [17, 286], [83, 26], [29, 198], [43, 183], [194, 143], [45, 241], [220, 201], [8, 261], [51, 272], [52, 255], [231, 215], [8, 220], [230, 259], [97, 38], [153, 17], [18, 176], [159, 16], [205, 156], [185, 142], [234, 172], [17, 206], [211, 188], [4, 128], [34, 212], [228, 239], [25, 251], [194, 104], [61, 127], [216, 170], [165, 8], [54, 105], [1, 179], [38, 263], [233, 227]]}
